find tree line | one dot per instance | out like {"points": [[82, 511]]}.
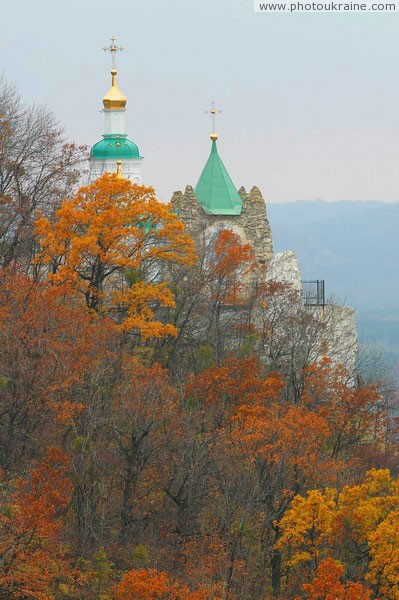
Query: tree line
{"points": [[168, 429]]}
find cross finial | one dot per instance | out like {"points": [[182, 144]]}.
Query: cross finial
{"points": [[213, 111], [113, 48]]}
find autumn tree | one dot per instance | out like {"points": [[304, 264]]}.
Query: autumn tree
{"points": [[33, 559], [37, 168], [290, 334], [356, 414], [109, 243], [358, 526], [214, 300], [327, 584], [293, 445], [212, 488], [48, 347], [149, 584], [144, 407], [231, 270]]}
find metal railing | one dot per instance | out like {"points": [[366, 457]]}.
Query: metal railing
{"points": [[313, 292]]}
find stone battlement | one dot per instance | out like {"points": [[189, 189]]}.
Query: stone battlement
{"points": [[252, 225]]}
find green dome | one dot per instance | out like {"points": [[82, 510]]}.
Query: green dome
{"points": [[114, 148], [215, 190]]}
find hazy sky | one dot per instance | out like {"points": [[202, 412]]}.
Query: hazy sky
{"points": [[310, 101]]}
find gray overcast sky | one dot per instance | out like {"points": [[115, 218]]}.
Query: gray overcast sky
{"points": [[310, 101]]}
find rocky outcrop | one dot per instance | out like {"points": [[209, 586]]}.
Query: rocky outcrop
{"points": [[285, 268], [342, 339], [339, 333]]}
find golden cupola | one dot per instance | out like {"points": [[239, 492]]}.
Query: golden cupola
{"points": [[114, 99]]}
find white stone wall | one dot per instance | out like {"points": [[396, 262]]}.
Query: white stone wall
{"points": [[131, 169], [212, 231], [342, 339], [114, 122], [284, 268], [339, 339]]}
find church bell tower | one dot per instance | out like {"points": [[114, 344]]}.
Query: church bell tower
{"points": [[115, 152]]}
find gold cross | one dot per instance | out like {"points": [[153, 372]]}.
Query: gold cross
{"points": [[113, 48], [213, 111]]}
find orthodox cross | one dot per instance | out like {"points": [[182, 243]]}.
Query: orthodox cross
{"points": [[213, 111], [113, 48]]}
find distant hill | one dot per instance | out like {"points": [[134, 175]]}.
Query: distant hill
{"points": [[354, 246]]}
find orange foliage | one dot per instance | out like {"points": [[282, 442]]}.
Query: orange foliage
{"points": [[384, 550], [145, 406], [199, 476], [312, 435], [292, 434], [231, 254], [276, 431], [307, 528], [235, 386], [235, 382], [47, 347], [327, 584], [233, 263], [32, 557], [109, 243], [207, 560], [149, 584], [354, 414], [361, 523]]}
